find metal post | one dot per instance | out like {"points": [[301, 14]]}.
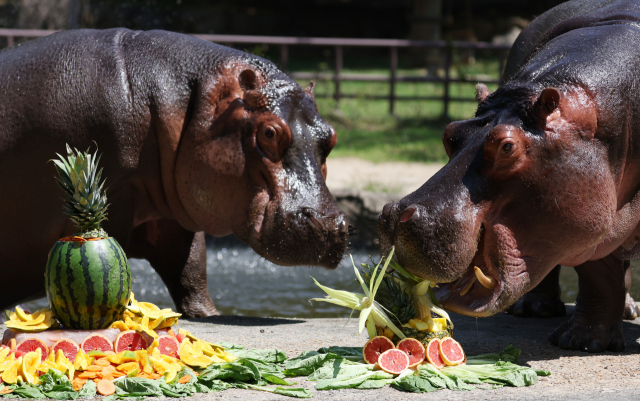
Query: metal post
{"points": [[10, 41], [392, 79], [447, 78], [337, 74], [284, 58], [501, 65]]}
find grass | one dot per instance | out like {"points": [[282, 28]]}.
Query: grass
{"points": [[367, 130]]}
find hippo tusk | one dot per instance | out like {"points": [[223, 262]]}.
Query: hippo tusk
{"points": [[487, 282], [457, 284], [468, 286]]}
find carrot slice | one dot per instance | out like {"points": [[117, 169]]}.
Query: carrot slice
{"points": [[108, 370], [94, 368], [78, 383], [106, 387], [184, 379], [88, 375], [117, 374], [108, 377], [102, 362], [154, 376]]}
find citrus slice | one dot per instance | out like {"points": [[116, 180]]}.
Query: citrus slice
{"points": [[375, 347], [168, 346], [414, 350], [69, 348], [130, 341], [451, 351], [31, 344], [433, 353], [96, 342], [393, 361], [30, 363]]}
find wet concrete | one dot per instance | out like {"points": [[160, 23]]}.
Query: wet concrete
{"points": [[574, 375]]}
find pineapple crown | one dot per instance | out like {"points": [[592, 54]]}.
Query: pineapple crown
{"points": [[86, 201]]}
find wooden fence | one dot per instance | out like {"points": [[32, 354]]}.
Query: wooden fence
{"points": [[338, 75]]}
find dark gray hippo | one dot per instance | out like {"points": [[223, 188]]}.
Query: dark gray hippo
{"points": [[547, 173], [196, 137]]}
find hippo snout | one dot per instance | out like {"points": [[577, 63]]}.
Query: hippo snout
{"points": [[327, 223], [427, 243]]}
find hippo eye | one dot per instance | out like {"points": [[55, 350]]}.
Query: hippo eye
{"points": [[269, 133], [507, 147]]}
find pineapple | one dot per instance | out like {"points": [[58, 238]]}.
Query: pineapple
{"points": [[395, 304], [86, 203], [413, 306]]}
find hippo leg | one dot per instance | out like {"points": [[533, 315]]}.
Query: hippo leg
{"points": [[596, 324], [543, 301], [180, 258], [631, 310]]}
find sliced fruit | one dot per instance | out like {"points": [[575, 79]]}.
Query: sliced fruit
{"points": [[164, 368], [82, 361], [393, 361], [131, 369], [180, 337], [4, 365], [10, 375], [130, 341], [122, 357], [4, 353], [144, 361], [375, 347], [106, 387], [26, 327], [69, 347], [31, 344], [96, 342], [168, 345], [451, 351], [96, 354], [433, 353], [191, 358], [64, 365], [414, 350], [29, 368]]}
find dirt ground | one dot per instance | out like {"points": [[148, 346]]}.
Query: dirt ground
{"points": [[388, 177]]}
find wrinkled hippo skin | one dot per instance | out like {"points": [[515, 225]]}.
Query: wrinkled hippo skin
{"points": [[547, 173], [195, 137]]}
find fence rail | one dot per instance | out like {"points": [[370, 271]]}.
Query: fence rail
{"points": [[338, 76]]}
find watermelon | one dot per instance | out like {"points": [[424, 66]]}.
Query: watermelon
{"points": [[87, 283]]}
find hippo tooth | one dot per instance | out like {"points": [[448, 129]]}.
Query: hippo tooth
{"points": [[457, 284], [487, 282], [468, 286]]}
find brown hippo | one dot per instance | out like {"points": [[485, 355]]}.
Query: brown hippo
{"points": [[195, 138], [547, 173]]}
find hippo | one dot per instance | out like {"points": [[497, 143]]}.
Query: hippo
{"points": [[196, 138], [546, 173]]}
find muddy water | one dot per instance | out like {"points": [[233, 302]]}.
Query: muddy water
{"points": [[243, 283]]}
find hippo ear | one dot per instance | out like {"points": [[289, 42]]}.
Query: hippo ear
{"points": [[310, 88], [253, 96], [547, 102], [482, 92]]}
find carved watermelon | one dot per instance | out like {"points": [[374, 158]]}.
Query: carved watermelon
{"points": [[88, 283]]}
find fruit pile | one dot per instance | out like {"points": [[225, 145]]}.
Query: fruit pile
{"points": [[409, 353], [147, 347], [23, 321]]}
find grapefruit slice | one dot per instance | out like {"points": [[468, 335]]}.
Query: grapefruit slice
{"points": [[130, 341], [31, 344], [96, 342], [433, 353], [451, 351], [375, 347], [393, 361], [414, 350], [69, 348], [168, 345]]}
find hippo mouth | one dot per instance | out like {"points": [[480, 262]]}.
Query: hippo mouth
{"points": [[496, 277]]}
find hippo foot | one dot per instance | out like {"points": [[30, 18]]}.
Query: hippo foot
{"points": [[577, 334], [538, 305], [631, 310]]}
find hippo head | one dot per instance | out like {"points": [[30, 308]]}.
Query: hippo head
{"points": [[252, 162], [529, 184]]}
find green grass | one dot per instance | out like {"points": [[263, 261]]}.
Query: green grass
{"points": [[414, 133]]}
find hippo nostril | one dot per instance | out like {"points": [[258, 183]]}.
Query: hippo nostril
{"points": [[407, 214], [316, 222]]}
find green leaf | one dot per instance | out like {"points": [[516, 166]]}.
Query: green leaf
{"points": [[136, 387], [89, 390], [309, 362], [262, 355], [352, 382], [229, 346], [414, 384], [294, 392]]}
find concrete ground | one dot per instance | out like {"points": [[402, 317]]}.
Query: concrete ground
{"points": [[574, 375]]}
